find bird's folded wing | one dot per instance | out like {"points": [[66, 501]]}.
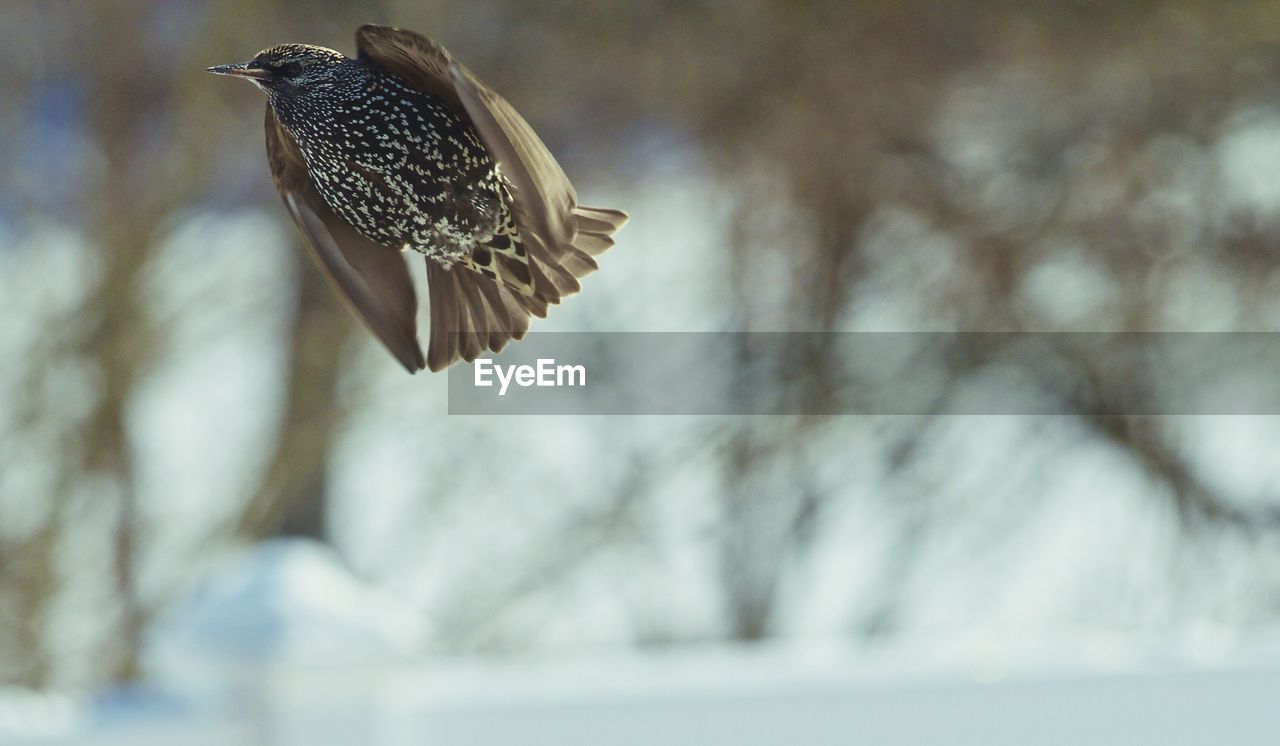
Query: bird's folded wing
{"points": [[543, 199], [372, 279]]}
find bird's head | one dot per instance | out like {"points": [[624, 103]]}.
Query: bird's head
{"points": [[289, 69]]}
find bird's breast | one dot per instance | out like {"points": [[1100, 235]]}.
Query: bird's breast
{"points": [[402, 168]]}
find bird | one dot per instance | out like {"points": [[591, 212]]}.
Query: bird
{"points": [[403, 150]]}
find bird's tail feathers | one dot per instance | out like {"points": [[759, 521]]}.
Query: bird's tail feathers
{"points": [[557, 270], [596, 226], [471, 313]]}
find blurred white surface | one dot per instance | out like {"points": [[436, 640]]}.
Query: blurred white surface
{"points": [[282, 646], [746, 699]]}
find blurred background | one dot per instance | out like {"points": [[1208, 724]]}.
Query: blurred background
{"points": [[210, 474]]}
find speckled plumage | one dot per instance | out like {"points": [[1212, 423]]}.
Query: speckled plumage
{"points": [[404, 148], [395, 163]]}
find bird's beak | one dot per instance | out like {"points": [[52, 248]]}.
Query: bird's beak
{"points": [[241, 71]]}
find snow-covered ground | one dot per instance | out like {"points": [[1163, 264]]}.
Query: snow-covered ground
{"points": [[701, 698], [281, 646]]}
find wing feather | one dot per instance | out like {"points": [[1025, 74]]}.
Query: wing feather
{"points": [[373, 280], [543, 199], [561, 237]]}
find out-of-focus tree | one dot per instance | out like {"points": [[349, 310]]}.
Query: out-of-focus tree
{"points": [[153, 130], [885, 165]]}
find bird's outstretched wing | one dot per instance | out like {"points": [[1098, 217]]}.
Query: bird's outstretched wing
{"points": [[372, 279], [470, 312]]}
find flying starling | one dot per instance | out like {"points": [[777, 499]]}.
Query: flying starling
{"points": [[404, 148]]}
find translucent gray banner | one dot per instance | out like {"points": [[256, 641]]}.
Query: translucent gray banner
{"points": [[888, 373]]}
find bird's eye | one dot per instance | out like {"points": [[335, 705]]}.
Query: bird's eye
{"points": [[291, 69]]}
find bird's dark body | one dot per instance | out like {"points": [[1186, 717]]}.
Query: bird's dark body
{"points": [[399, 165], [403, 147]]}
